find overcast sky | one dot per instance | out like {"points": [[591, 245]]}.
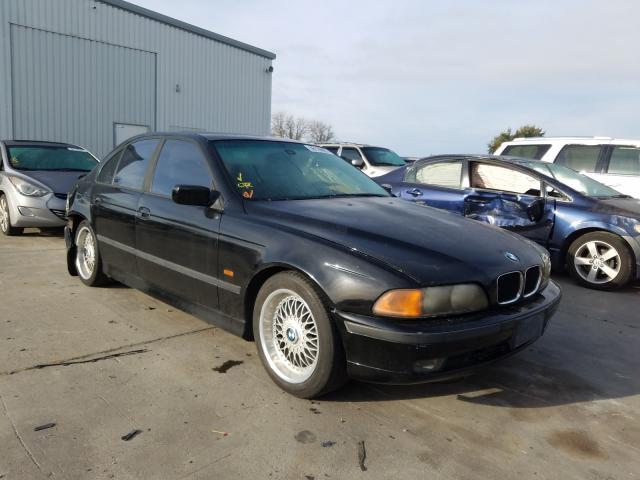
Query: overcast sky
{"points": [[440, 76]]}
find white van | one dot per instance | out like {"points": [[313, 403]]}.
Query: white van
{"points": [[611, 161]]}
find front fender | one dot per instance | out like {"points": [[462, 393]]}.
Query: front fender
{"points": [[619, 228]]}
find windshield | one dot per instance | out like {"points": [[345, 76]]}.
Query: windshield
{"points": [[383, 157], [581, 183], [263, 170], [50, 158]]}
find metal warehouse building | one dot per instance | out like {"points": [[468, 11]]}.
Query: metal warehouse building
{"points": [[97, 72]]}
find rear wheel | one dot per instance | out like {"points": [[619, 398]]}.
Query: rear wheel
{"points": [[600, 260], [296, 340], [5, 219], [88, 263]]}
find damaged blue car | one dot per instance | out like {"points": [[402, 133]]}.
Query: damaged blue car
{"points": [[590, 229]]}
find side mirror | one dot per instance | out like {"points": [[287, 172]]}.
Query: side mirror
{"points": [[387, 187], [357, 162], [535, 210], [194, 195]]}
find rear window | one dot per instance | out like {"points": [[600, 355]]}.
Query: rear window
{"points": [[534, 152], [581, 158], [64, 158]]}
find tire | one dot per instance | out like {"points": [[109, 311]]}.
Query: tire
{"points": [[87, 261], [601, 261], [307, 360], [5, 219]]}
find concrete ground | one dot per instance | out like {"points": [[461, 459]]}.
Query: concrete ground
{"points": [[566, 408]]}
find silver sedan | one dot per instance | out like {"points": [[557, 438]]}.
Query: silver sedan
{"points": [[35, 178]]}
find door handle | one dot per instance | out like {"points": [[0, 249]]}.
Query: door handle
{"points": [[416, 192], [97, 201], [144, 212]]}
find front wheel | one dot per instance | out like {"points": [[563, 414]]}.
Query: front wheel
{"points": [[600, 260], [5, 219], [88, 262], [296, 340]]}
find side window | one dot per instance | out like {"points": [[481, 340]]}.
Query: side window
{"points": [[180, 163], [333, 150], [535, 152], [503, 179], [443, 174], [350, 153], [625, 160], [108, 168], [581, 158], [134, 162]]}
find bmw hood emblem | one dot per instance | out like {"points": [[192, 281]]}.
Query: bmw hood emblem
{"points": [[511, 256]]}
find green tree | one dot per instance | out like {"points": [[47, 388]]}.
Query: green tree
{"points": [[508, 135]]}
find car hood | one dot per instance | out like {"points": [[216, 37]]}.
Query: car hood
{"points": [[431, 246], [59, 182], [375, 171], [628, 207]]}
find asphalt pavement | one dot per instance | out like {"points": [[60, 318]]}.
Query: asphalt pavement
{"points": [[102, 363]]}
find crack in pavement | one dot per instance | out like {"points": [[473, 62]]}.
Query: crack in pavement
{"points": [[87, 358], [18, 436], [91, 360]]}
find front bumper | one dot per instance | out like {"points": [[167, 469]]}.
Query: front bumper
{"points": [[402, 352], [46, 211]]}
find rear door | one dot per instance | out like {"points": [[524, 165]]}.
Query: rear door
{"points": [[177, 244], [116, 195], [622, 169], [507, 197], [436, 184]]}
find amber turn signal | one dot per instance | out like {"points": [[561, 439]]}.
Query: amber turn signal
{"points": [[400, 303]]}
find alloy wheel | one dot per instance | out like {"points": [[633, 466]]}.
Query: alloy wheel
{"points": [[4, 214], [85, 252], [289, 336], [597, 262]]}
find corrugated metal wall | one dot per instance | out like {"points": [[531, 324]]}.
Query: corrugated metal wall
{"points": [[49, 69], [221, 87]]}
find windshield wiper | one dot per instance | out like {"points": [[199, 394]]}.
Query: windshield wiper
{"points": [[66, 170]]}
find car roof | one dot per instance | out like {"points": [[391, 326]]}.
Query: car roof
{"points": [[576, 139], [214, 136], [15, 143], [346, 144], [525, 162]]}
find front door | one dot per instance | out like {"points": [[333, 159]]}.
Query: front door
{"points": [[177, 244], [509, 198]]}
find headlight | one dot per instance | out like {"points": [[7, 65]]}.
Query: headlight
{"points": [[637, 228], [28, 188], [432, 301], [546, 271]]}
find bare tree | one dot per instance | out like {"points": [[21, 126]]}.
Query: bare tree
{"points": [[285, 125], [278, 122], [296, 127], [320, 132]]}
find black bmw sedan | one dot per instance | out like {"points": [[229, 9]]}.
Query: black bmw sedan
{"points": [[287, 244]]}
